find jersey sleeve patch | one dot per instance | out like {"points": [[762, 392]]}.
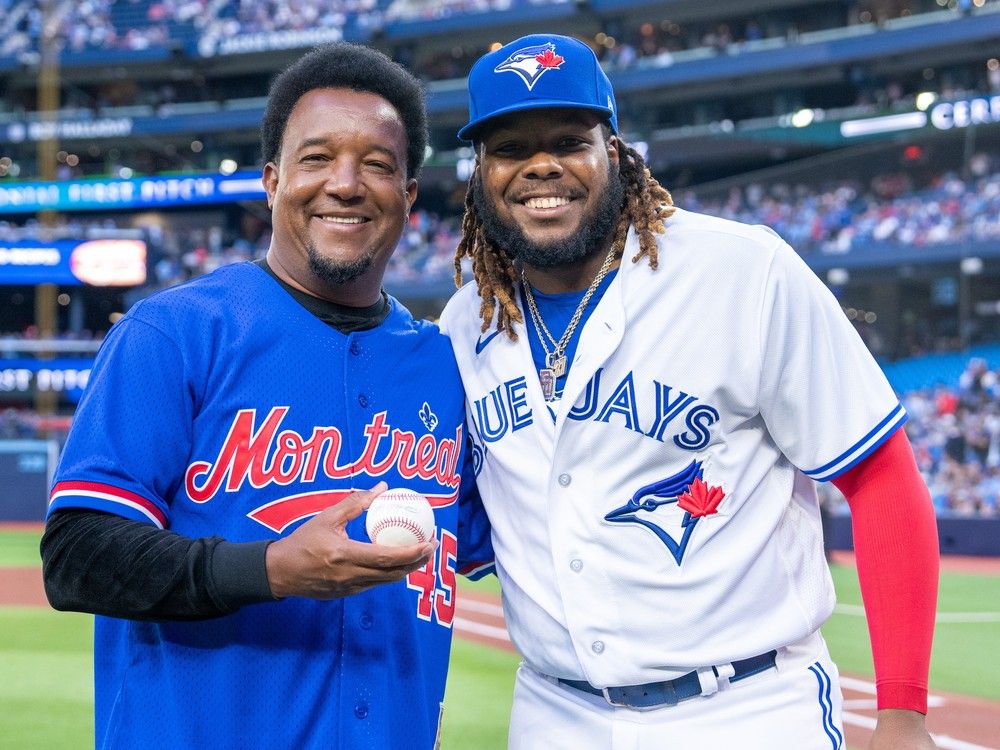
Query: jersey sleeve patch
{"points": [[861, 449], [106, 498]]}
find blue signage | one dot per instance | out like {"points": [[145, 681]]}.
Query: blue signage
{"points": [[104, 262], [138, 192], [26, 377]]}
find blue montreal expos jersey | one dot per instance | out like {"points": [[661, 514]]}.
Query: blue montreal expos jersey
{"points": [[222, 407]]}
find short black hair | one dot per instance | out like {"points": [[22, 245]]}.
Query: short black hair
{"points": [[349, 66]]}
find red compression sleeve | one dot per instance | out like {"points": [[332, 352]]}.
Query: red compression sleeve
{"points": [[896, 550]]}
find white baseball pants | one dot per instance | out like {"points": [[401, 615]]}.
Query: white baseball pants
{"points": [[795, 706]]}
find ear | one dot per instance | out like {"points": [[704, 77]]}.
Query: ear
{"points": [[411, 193], [270, 180], [612, 147]]}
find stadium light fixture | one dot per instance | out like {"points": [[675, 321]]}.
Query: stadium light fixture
{"points": [[803, 118], [925, 99], [971, 266], [125, 173], [887, 124], [228, 166]]}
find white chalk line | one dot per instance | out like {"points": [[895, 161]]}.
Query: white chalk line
{"points": [[477, 628], [856, 610], [486, 608]]}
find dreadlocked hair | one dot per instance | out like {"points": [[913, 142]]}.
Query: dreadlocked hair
{"points": [[647, 204]]}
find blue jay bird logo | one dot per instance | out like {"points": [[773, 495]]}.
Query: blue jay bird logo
{"points": [[428, 417], [530, 63], [686, 488]]}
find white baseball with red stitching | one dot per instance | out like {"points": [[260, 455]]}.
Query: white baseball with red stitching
{"points": [[399, 517]]}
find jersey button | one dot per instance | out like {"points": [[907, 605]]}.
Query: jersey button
{"points": [[355, 348], [366, 621], [564, 480], [597, 647], [363, 400], [361, 710], [576, 566]]}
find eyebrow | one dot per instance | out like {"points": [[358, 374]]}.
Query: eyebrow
{"points": [[320, 141]]}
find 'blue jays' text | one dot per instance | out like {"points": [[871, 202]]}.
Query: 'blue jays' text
{"points": [[675, 415]]}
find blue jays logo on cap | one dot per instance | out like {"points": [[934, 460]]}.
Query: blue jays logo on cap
{"points": [[530, 63], [557, 71]]}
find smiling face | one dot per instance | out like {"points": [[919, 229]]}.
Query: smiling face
{"points": [[548, 192], [339, 194]]}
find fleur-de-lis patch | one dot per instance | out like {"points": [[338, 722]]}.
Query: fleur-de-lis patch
{"points": [[428, 417]]}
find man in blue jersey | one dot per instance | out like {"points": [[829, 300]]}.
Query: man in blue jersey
{"points": [[208, 505]]}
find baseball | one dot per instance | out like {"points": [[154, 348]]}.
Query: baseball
{"points": [[399, 517]]}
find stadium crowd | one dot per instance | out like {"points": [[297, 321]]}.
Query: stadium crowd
{"points": [[142, 24], [846, 216], [838, 219], [955, 433], [893, 209]]}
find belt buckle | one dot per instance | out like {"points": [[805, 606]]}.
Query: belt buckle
{"points": [[606, 692], [667, 696]]}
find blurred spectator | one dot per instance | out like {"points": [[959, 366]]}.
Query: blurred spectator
{"points": [[847, 215]]}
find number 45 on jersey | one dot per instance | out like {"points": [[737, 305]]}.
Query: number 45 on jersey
{"points": [[436, 583]]}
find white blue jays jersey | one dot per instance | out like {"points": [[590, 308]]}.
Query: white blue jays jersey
{"points": [[223, 407], [664, 519]]}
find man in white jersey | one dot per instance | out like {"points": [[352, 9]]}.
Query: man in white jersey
{"points": [[652, 393]]}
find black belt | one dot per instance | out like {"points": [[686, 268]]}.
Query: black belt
{"points": [[671, 692]]}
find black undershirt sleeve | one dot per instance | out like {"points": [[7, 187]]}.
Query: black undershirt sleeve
{"points": [[108, 565]]}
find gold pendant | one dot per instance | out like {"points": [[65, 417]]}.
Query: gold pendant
{"points": [[548, 380], [556, 363]]}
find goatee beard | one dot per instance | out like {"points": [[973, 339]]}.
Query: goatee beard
{"points": [[595, 229], [337, 273]]}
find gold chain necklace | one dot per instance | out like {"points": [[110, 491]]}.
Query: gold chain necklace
{"points": [[555, 360]]}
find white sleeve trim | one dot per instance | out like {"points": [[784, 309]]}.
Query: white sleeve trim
{"points": [[861, 449]]}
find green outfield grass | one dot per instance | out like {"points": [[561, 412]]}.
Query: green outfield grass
{"points": [[46, 680], [960, 661], [46, 695], [19, 548]]}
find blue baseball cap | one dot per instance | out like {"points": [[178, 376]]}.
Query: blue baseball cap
{"points": [[535, 72]]}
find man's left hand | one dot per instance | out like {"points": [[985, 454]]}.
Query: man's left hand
{"points": [[898, 729]]}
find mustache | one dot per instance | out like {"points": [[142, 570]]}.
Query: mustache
{"points": [[594, 230]]}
